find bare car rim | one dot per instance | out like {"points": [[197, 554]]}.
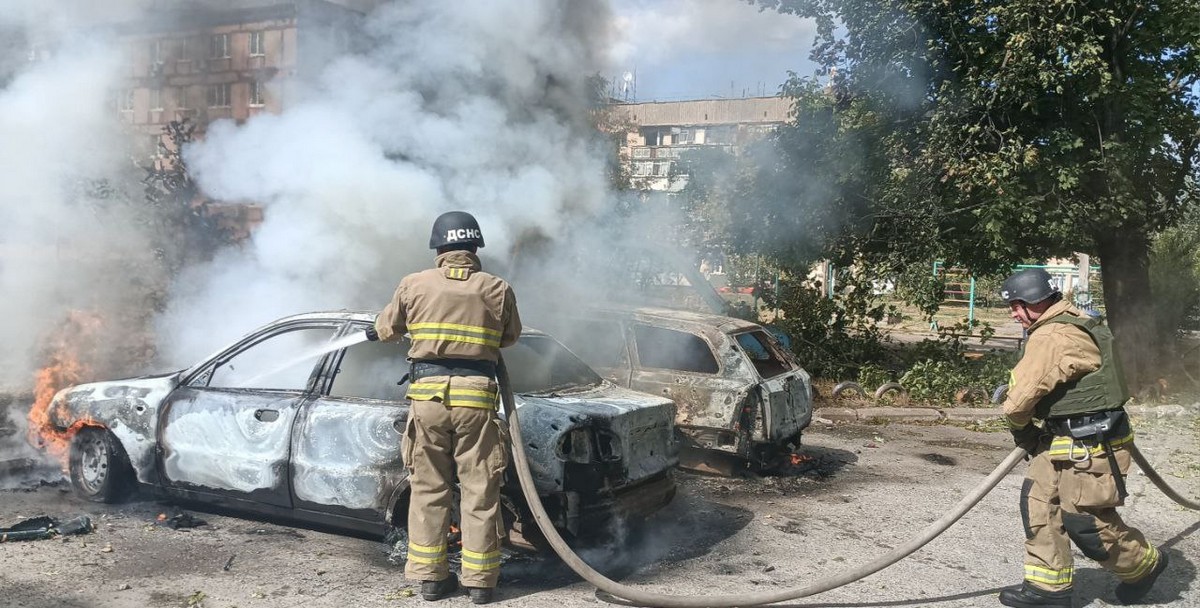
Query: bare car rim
{"points": [[94, 458]]}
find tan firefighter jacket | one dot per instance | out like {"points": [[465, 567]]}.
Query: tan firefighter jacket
{"points": [[1054, 354], [453, 311]]}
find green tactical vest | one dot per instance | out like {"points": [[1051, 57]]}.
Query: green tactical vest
{"points": [[1098, 391]]}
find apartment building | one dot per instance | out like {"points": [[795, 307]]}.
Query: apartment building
{"points": [[207, 60], [662, 131]]}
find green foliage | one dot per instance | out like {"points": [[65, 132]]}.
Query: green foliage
{"points": [[1175, 279], [939, 380], [981, 133], [833, 337], [872, 376]]}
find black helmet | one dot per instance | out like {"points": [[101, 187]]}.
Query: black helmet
{"points": [[455, 228], [1031, 285]]}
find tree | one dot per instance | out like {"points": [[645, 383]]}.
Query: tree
{"points": [[986, 131], [185, 227]]}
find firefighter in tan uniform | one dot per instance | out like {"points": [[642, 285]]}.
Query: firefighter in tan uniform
{"points": [[1069, 378], [458, 318]]}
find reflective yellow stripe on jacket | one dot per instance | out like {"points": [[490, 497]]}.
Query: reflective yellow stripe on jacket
{"points": [[480, 561], [453, 396], [1067, 446], [454, 332]]}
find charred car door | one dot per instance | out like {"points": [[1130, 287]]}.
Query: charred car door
{"points": [[226, 431], [784, 388], [684, 367], [346, 460]]}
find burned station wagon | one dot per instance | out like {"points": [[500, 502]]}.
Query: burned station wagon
{"points": [[736, 389], [295, 421]]}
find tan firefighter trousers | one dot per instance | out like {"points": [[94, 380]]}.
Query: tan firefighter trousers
{"points": [[1066, 501], [438, 442]]}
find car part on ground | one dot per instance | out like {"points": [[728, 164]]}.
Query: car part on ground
{"points": [[41, 528]]}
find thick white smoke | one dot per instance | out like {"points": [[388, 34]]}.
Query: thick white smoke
{"points": [[71, 235], [65, 242], [474, 105]]}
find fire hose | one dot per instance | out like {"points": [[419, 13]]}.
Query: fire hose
{"points": [[614, 592]]}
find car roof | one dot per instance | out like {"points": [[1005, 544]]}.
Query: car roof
{"points": [[672, 316], [364, 316]]}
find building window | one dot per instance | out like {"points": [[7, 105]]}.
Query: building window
{"points": [[156, 51], [156, 100], [257, 48], [183, 50], [219, 46], [181, 98], [155, 141], [643, 169], [125, 100], [257, 96], [683, 137], [641, 152], [662, 169], [218, 96]]}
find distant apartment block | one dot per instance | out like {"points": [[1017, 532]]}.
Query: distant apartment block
{"points": [[664, 130], [212, 59]]}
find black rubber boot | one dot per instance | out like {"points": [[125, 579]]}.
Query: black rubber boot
{"points": [[436, 590], [1028, 596], [481, 595], [1132, 593]]}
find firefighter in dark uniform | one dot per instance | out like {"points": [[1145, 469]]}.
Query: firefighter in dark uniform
{"points": [[1069, 379], [458, 318]]}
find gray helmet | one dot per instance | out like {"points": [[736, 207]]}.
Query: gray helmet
{"points": [[1031, 285], [455, 228]]}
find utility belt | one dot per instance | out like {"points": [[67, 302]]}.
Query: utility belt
{"points": [[451, 367], [1104, 429]]}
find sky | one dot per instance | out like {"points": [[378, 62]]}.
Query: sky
{"points": [[693, 49]]}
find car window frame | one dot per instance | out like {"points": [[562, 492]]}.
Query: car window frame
{"points": [[328, 372], [771, 345], [636, 355], [206, 368]]}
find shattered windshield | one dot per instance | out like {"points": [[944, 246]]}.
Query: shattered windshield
{"points": [[539, 364]]}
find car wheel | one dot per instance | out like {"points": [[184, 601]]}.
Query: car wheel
{"points": [[100, 470]]}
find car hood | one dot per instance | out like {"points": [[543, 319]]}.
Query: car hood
{"points": [[128, 408], [602, 400]]}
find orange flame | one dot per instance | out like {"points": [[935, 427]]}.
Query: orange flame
{"points": [[64, 367], [799, 458]]}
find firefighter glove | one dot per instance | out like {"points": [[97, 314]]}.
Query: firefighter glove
{"points": [[1028, 437], [372, 335]]}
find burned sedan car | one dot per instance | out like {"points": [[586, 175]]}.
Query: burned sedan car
{"points": [[737, 390], [299, 420]]}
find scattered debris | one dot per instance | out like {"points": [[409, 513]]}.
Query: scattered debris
{"points": [[124, 587], [196, 600], [107, 548], [229, 563], [399, 594], [274, 532], [182, 521], [40, 528]]}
